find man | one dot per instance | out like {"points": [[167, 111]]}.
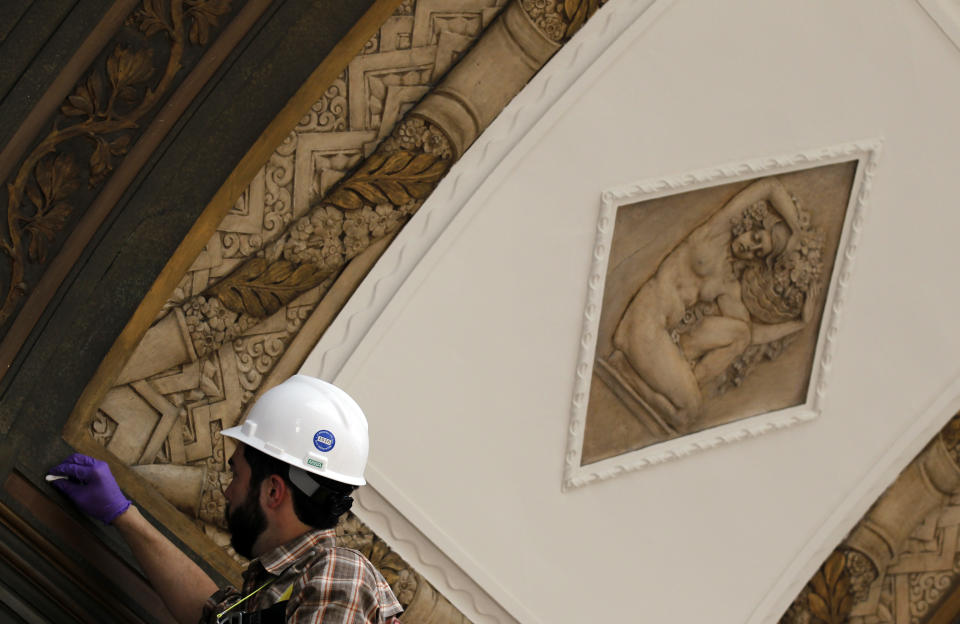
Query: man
{"points": [[301, 452]]}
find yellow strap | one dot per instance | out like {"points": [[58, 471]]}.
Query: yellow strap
{"points": [[242, 600]]}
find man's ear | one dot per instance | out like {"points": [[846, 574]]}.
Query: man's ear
{"points": [[273, 490]]}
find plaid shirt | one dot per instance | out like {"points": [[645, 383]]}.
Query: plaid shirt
{"points": [[326, 584]]}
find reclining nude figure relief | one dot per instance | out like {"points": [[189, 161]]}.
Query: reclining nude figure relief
{"points": [[738, 286]]}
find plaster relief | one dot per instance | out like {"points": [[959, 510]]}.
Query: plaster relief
{"points": [[733, 293], [705, 310], [326, 198], [294, 247]]}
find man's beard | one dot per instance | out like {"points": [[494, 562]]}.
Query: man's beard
{"points": [[246, 523]]}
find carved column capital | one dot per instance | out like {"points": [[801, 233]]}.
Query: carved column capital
{"points": [[841, 587], [511, 51]]}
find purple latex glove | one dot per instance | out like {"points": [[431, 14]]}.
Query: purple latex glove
{"points": [[91, 487]]}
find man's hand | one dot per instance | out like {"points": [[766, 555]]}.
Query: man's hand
{"points": [[180, 582], [91, 487]]}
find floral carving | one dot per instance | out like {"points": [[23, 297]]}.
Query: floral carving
{"points": [[843, 581], [916, 572], [260, 288], [328, 114], [210, 323], [830, 599], [86, 98], [204, 15], [126, 69], [101, 162], [373, 202], [560, 19], [234, 356], [397, 179], [104, 110], [213, 506], [404, 8], [576, 13], [862, 574], [56, 178], [548, 16]]}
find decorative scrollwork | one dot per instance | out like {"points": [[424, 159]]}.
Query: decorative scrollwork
{"points": [[104, 110], [373, 202], [329, 113]]}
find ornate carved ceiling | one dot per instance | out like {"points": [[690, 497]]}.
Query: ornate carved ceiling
{"points": [[288, 246], [901, 562], [300, 202]]}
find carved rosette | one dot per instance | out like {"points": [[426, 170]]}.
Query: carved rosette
{"points": [[560, 19]]}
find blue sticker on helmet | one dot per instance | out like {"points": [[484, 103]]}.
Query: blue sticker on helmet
{"points": [[324, 441]]}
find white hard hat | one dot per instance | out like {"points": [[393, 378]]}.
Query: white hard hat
{"points": [[309, 424]]}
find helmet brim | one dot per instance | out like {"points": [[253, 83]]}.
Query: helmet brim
{"points": [[237, 433]]}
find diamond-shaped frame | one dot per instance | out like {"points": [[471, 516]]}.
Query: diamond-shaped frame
{"points": [[866, 153]]}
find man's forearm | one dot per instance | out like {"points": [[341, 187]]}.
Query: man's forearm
{"points": [[182, 584]]}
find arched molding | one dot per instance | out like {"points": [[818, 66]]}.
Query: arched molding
{"points": [[851, 509]]}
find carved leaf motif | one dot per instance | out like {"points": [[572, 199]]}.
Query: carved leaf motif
{"points": [[86, 98], [78, 106], [260, 288], [818, 607], [57, 177], [119, 145], [830, 599], [576, 12], [43, 229], [36, 198], [397, 178], [204, 14], [126, 68], [128, 94], [101, 163], [122, 77], [151, 18]]}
